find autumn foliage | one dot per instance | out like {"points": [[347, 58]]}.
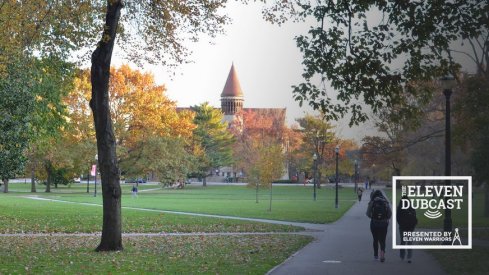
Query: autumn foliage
{"points": [[141, 114]]}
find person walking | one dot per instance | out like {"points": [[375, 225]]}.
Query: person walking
{"points": [[134, 191], [359, 193], [407, 221], [379, 212]]}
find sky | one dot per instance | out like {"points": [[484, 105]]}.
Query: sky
{"points": [[265, 57], [267, 62]]}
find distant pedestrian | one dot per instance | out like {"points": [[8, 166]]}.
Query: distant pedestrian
{"points": [[379, 213], [134, 191], [406, 218], [359, 193], [366, 184]]}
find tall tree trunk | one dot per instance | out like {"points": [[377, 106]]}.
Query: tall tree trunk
{"points": [[106, 143], [5, 185], [33, 179], [48, 182], [47, 166]]}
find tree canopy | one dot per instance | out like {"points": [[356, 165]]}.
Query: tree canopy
{"points": [[17, 101], [213, 138], [372, 51], [143, 117]]}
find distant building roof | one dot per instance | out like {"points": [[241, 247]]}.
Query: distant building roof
{"points": [[232, 87]]}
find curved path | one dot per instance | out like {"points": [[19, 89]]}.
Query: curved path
{"points": [[345, 247]]}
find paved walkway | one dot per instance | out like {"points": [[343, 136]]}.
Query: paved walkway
{"points": [[345, 247]]}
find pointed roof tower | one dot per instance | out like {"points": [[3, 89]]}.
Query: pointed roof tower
{"points": [[232, 87]]}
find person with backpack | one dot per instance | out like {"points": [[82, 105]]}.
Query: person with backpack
{"points": [[406, 218], [359, 193], [379, 213]]}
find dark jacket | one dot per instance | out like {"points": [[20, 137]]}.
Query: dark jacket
{"points": [[388, 208], [406, 218]]}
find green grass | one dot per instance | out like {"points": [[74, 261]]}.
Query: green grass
{"points": [[290, 203], [243, 254], [148, 255], [19, 215], [459, 262]]}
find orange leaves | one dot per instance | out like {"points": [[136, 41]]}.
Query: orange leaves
{"points": [[140, 111], [139, 107]]}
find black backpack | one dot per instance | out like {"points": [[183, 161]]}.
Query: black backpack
{"points": [[379, 210]]}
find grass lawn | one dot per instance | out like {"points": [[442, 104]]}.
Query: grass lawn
{"points": [[19, 215], [242, 254], [464, 261], [143, 255], [290, 203]]}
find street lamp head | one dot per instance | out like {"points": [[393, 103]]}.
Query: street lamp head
{"points": [[337, 149], [447, 83], [315, 156]]}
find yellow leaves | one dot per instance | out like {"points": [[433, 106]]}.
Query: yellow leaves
{"points": [[139, 107]]}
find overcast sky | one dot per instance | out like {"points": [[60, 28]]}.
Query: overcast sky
{"points": [[266, 59]]}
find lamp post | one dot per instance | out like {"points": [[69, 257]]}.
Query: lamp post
{"points": [[373, 177], [96, 163], [356, 175], [315, 158], [447, 83], [337, 150]]}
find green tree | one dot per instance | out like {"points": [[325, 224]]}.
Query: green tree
{"points": [[15, 107], [318, 138], [46, 80], [166, 157], [372, 51], [213, 137], [52, 78]]}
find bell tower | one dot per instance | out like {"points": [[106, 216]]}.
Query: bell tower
{"points": [[232, 96]]}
